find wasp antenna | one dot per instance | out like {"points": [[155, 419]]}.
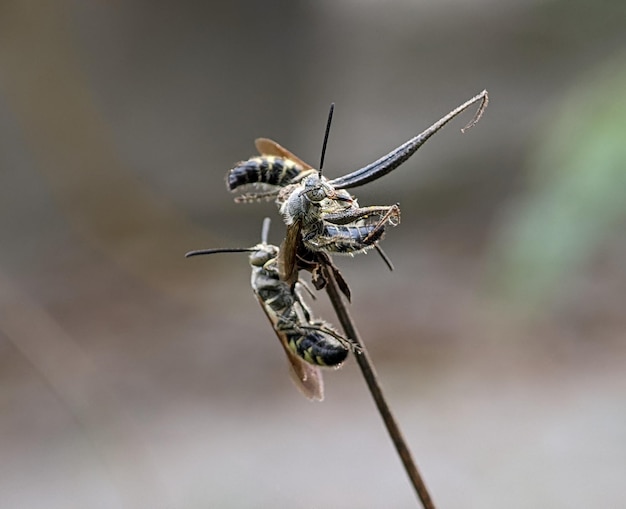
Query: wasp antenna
{"points": [[384, 256], [330, 119], [219, 250], [399, 155], [481, 109], [265, 230]]}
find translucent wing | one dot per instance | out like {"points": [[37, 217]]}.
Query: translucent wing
{"points": [[267, 147], [307, 377]]}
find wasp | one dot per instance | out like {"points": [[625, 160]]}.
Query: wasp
{"points": [[277, 167], [329, 220], [308, 342], [320, 213], [274, 169]]}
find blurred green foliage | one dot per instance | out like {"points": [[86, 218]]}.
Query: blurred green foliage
{"points": [[576, 197]]}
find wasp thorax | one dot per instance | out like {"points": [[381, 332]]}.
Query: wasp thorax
{"points": [[298, 206]]}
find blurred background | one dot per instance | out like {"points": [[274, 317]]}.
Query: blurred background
{"points": [[131, 377]]}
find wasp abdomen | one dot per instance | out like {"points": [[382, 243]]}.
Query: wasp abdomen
{"points": [[354, 234], [346, 239], [318, 348], [271, 170]]}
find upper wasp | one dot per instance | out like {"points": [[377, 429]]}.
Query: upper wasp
{"points": [[277, 167]]}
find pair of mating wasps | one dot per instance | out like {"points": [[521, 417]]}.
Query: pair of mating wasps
{"points": [[322, 218]]}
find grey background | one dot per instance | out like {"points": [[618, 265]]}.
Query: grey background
{"points": [[131, 377]]}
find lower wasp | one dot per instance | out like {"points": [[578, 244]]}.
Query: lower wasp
{"points": [[308, 342]]}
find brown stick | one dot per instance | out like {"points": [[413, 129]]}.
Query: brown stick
{"points": [[367, 368]]}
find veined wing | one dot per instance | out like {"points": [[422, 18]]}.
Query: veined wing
{"points": [[267, 147], [307, 377]]}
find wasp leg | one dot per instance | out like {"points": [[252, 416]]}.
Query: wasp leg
{"points": [[306, 311], [384, 256], [390, 213], [394, 211], [251, 197], [307, 289], [323, 327]]}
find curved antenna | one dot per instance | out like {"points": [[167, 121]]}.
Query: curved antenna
{"points": [[265, 230], [328, 122], [399, 155], [219, 250]]}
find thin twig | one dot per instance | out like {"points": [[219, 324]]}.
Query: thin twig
{"points": [[367, 368]]}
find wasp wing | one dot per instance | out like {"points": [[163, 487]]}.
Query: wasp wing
{"points": [[288, 254], [307, 377], [341, 282], [267, 147]]}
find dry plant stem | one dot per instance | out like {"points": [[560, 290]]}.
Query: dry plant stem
{"points": [[367, 368]]}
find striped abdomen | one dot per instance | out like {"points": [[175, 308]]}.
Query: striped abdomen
{"points": [[351, 231], [345, 239], [271, 170], [317, 347]]}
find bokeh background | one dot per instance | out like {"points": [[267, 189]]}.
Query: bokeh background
{"points": [[131, 377]]}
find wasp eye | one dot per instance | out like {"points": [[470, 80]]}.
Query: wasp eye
{"points": [[317, 194], [316, 191]]}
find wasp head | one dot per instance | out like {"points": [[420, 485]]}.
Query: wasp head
{"points": [[315, 189], [305, 198], [262, 254]]}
